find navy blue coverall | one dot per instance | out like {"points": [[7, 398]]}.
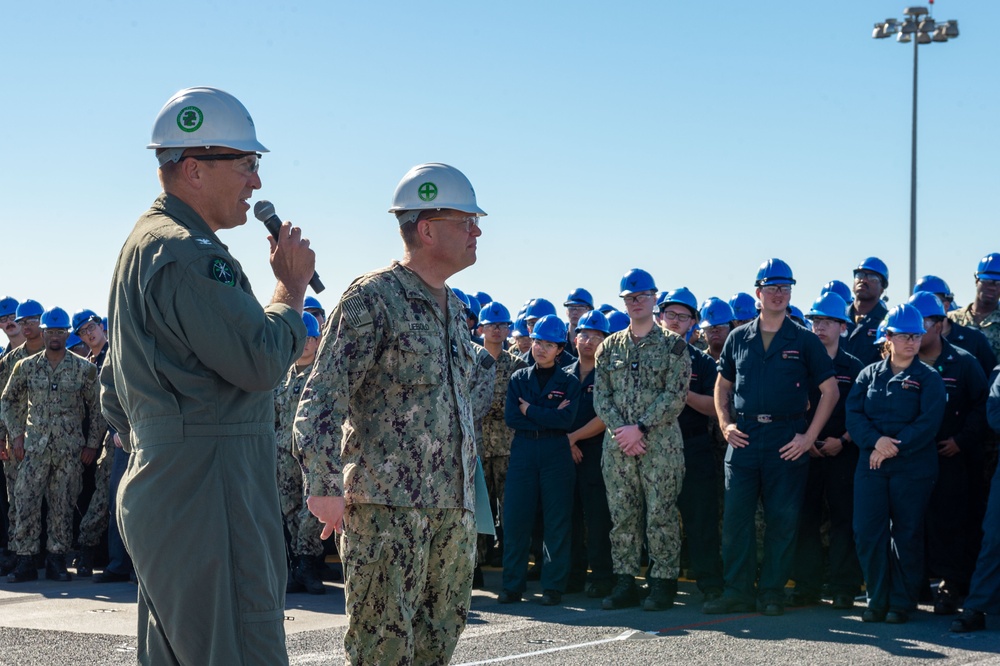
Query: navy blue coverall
{"points": [[984, 591], [861, 338]]}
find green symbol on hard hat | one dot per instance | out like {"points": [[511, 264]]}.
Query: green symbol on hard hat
{"points": [[190, 118], [223, 272], [427, 192]]}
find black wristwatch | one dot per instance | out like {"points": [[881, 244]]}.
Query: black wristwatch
{"points": [[843, 440], [642, 427]]}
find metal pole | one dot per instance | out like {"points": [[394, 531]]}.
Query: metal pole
{"points": [[913, 175]]}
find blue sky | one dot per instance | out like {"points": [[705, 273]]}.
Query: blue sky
{"points": [[694, 140]]}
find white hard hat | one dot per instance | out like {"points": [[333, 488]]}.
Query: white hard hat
{"points": [[203, 117], [433, 186]]}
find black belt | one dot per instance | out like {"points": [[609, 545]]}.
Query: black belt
{"points": [[539, 434], [770, 418]]}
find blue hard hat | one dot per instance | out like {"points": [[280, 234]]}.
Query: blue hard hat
{"points": [[744, 306], [520, 328], [618, 321], [928, 304], [636, 280], [839, 288], [72, 340], [579, 296], [796, 314], [989, 267], [461, 296], [774, 271], [312, 303], [538, 308], [606, 309], [716, 312], [55, 318], [829, 305], [312, 325], [880, 332], [682, 296], [83, 317], [875, 265], [933, 284], [494, 313], [483, 298], [905, 318], [29, 308], [549, 328], [593, 321], [8, 306], [474, 307]]}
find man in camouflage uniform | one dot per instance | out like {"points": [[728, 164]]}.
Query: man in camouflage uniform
{"points": [[30, 342], [44, 406], [304, 545], [640, 387], [495, 320], [385, 426]]}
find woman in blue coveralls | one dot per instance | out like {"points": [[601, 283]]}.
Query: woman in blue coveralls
{"points": [[893, 412], [542, 400]]}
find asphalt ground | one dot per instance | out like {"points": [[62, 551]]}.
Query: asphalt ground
{"points": [[50, 623]]}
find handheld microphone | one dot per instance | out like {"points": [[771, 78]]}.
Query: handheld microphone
{"points": [[263, 210]]}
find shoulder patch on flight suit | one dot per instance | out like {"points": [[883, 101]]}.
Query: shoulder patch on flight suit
{"points": [[678, 347], [355, 312], [222, 272]]}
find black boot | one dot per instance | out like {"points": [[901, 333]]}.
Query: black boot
{"points": [[55, 568], [306, 574], [24, 571], [624, 595], [661, 594], [8, 562], [85, 562]]}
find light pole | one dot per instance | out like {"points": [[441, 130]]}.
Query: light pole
{"points": [[920, 28]]}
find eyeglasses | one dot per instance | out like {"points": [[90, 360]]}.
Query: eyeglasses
{"points": [[470, 221], [253, 165], [906, 337], [773, 289], [986, 282], [638, 298], [545, 344], [87, 329], [56, 331], [670, 315], [583, 336], [7, 317], [29, 320], [575, 308], [867, 276], [823, 322], [496, 327]]}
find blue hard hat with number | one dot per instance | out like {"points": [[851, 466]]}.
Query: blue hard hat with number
{"points": [[29, 308], [774, 271], [520, 328], [312, 303], [83, 317], [618, 321], [716, 312], [682, 296], [905, 318], [829, 305], [744, 306], [875, 265], [579, 296], [8, 306], [928, 304], [549, 328], [933, 284], [538, 308], [989, 267], [593, 321], [312, 325], [634, 281], [839, 288], [55, 318], [494, 313]]}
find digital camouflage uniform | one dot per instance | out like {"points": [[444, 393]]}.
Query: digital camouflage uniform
{"points": [[48, 406], [94, 524], [11, 465], [496, 441], [386, 421], [188, 385], [644, 381], [303, 527]]}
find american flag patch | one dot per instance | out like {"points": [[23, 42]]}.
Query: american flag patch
{"points": [[355, 312]]}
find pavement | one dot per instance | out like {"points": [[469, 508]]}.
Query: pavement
{"points": [[79, 622]]}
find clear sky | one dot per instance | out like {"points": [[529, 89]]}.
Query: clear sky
{"points": [[694, 140]]}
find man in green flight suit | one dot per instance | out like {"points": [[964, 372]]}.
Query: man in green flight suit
{"points": [[188, 384]]}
